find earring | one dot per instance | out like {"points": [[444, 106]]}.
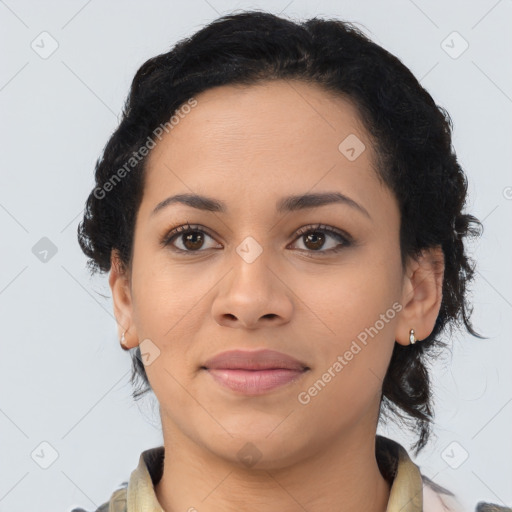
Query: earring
{"points": [[412, 338], [122, 342]]}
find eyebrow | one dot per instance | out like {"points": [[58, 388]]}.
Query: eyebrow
{"points": [[285, 204]]}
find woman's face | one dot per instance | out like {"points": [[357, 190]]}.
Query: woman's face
{"points": [[260, 274]]}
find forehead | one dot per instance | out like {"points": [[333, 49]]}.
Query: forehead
{"points": [[264, 116], [271, 136]]}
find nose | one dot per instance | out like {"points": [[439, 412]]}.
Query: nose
{"points": [[251, 296]]}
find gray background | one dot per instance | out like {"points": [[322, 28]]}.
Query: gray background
{"points": [[65, 381]]}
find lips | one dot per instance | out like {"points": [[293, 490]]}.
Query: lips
{"points": [[254, 372], [254, 360]]}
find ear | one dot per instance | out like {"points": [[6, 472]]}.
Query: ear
{"points": [[422, 293], [119, 281]]}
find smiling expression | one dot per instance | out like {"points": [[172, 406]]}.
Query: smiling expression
{"points": [[256, 231]]}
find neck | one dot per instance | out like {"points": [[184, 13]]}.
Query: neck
{"points": [[343, 477]]}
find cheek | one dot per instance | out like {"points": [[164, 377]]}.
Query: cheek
{"points": [[344, 301], [166, 311], [349, 374], [165, 295], [355, 312]]}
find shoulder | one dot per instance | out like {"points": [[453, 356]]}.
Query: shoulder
{"points": [[408, 482], [439, 499], [116, 503], [491, 507]]}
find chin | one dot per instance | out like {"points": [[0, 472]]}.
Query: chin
{"points": [[257, 450]]}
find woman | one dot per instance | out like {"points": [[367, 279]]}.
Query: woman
{"points": [[280, 214]]}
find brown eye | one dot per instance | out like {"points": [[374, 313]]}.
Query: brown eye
{"points": [[187, 239], [315, 239], [193, 240]]}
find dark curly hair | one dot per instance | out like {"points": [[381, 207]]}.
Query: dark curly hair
{"points": [[410, 134]]}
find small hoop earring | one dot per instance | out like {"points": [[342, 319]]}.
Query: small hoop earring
{"points": [[412, 338]]}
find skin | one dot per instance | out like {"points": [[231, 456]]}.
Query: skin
{"points": [[249, 147]]}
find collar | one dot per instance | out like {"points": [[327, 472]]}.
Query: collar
{"points": [[406, 494]]}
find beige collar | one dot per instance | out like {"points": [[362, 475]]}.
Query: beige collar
{"points": [[406, 483]]}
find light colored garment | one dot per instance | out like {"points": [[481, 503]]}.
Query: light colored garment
{"points": [[410, 490]]}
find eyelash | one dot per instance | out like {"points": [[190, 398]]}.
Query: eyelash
{"points": [[343, 237]]}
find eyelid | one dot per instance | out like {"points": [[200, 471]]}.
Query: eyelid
{"points": [[347, 239], [180, 229], [324, 227]]}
